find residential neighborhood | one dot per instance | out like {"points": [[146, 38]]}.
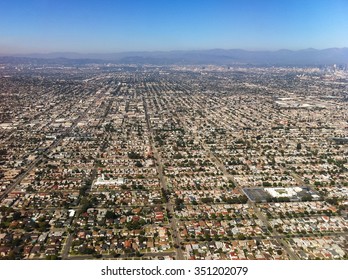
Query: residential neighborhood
{"points": [[173, 162]]}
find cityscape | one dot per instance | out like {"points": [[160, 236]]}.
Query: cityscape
{"points": [[173, 138], [173, 162]]}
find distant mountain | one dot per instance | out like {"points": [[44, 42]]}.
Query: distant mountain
{"points": [[214, 56]]}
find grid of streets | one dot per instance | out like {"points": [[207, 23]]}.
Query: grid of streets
{"points": [[173, 162]]}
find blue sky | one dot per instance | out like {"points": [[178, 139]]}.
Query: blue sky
{"points": [[149, 25]]}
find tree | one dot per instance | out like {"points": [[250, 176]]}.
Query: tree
{"points": [[241, 236], [110, 215], [134, 155], [16, 215], [207, 200], [52, 257]]}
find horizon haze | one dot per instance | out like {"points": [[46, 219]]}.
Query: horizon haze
{"points": [[303, 57], [128, 26]]}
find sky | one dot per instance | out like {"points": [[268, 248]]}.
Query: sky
{"points": [[105, 26]]}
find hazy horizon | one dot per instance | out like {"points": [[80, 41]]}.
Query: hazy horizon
{"points": [[167, 51], [38, 26]]}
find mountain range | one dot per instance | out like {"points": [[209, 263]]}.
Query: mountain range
{"points": [[214, 56]]}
